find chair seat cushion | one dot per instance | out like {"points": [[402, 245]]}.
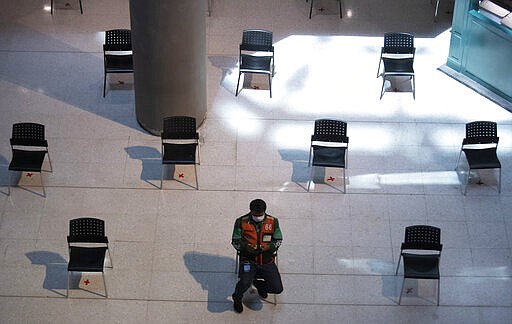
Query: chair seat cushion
{"points": [[421, 266], [255, 64], [329, 156], [118, 63], [23, 160], [88, 259], [179, 153], [482, 158], [398, 66]]}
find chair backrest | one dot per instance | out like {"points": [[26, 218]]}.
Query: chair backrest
{"points": [[330, 130], [422, 237], [91, 230], [257, 40], [28, 134], [118, 40], [179, 127], [481, 129], [398, 43]]}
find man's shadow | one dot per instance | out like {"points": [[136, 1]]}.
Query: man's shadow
{"points": [[151, 160], [56, 269], [215, 273]]}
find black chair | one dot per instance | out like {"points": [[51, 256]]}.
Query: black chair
{"points": [[479, 147], [256, 55], [329, 145], [397, 45], [311, 8], [29, 148], [258, 276], [117, 53], [87, 246], [180, 141], [421, 265], [79, 1]]}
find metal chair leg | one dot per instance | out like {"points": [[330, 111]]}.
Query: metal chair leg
{"points": [[401, 291], [104, 284], [499, 183], [162, 177], [81, 11], [238, 83], [398, 265], [51, 7], [67, 287], [104, 84], [438, 290], [311, 9], [195, 171], [270, 85], [9, 184], [344, 181], [382, 89]]}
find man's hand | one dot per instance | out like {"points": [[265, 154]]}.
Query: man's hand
{"points": [[252, 248]]}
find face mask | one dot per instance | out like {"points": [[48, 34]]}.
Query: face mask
{"points": [[258, 218]]}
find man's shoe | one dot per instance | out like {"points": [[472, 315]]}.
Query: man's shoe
{"points": [[260, 286], [237, 305]]}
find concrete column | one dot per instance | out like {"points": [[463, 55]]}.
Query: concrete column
{"points": [[169, 53]]}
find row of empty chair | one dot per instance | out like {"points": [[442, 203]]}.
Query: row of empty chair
{"points": [[88, 246], [328, 147], [257, 56]]}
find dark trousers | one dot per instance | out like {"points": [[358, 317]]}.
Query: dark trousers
{"points": [[248, 272]]}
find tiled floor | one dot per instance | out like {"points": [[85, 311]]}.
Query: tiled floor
{"points": [[173, 261]]}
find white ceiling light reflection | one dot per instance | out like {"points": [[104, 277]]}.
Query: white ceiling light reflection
{"points": [[292, 136], [366, 265], [377, 181], [47, 8], [242, 120], [368, 139]]}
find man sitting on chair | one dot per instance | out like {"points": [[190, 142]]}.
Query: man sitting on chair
{"points": [[256, 237]]}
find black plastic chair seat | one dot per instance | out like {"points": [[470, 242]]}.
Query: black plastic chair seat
{"points": [[179, 153], [26, 160], [119, 63], [398, 66], [86, 259], [420, 266], [329, 156], [255, 64], [482, 158]]}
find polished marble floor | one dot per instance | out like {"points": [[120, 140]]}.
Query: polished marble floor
{"points": [[173, 262]]}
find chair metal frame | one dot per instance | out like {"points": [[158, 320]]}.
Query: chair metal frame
{"points": [[28, 139], [87, 235], [311, 8], [237, 268], [256, 55], [421, 238], [480, 135], [329, 133], [180, 131], [397, 45], [79, 1], [117, 49]]}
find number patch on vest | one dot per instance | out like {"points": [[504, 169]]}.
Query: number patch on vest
{"points": [[268, 227], [267, 238]]}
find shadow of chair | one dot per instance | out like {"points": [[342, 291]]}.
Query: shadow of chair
{"points": [[180, 142], [329, 146], [87, 244], [425, 265], [256, 55], [150, 157], [67, 4], [397, 54], [300, 170], [117, 53], [479, 147], [55, 266], [29, 148], [311, 8]]}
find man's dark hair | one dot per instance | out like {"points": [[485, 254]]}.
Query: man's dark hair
{"points": [[258, 206]]}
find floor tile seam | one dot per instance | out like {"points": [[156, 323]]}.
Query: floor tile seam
{"points": [[14, 51], [438, 194], [392, 303]]}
